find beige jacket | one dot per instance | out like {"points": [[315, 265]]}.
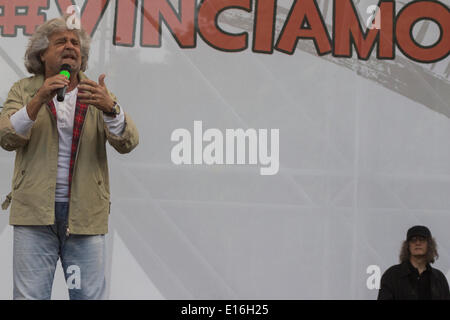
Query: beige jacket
{"points": [[34, 180]]}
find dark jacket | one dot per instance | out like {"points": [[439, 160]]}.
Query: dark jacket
{"points": [[396, 284]]}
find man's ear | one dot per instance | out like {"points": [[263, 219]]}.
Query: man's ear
{"points": [[41, 56]]}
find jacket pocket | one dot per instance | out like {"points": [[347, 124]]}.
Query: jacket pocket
{"points": [[19, 179], [104, 194]]}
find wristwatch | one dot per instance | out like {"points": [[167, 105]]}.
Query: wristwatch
{"points": [[115, 110]]}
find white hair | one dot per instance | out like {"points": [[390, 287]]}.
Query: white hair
{"points": [[39, 42]]}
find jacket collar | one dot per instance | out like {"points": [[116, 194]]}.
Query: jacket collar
{"points": [[406, 268], [37, 81]]}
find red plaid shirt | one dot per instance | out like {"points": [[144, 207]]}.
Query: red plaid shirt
{"points": [[80, 114]]}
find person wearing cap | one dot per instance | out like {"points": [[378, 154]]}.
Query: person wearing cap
{"points": [[414, 278]]}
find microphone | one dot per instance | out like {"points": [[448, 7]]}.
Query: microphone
{"points": [[65, 71]]}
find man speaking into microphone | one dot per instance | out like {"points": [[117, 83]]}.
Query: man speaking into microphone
{"points": [[58, 122]]}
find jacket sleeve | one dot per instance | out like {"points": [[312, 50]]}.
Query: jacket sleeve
{"points": [[129, 139], [446, 293], [386, 291], [10, 140]]}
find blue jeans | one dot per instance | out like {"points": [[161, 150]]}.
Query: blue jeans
{"points": [[36, 250]]}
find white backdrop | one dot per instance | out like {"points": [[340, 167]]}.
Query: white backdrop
{"points": [[362, 158]]}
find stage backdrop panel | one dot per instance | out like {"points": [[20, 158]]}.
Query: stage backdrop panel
{"points": [[361, 154]]}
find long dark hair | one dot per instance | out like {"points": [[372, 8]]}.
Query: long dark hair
{"points": [[431, 255]]}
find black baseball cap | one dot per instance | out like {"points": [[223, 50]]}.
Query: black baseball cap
{"points": [[418, 231]]}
